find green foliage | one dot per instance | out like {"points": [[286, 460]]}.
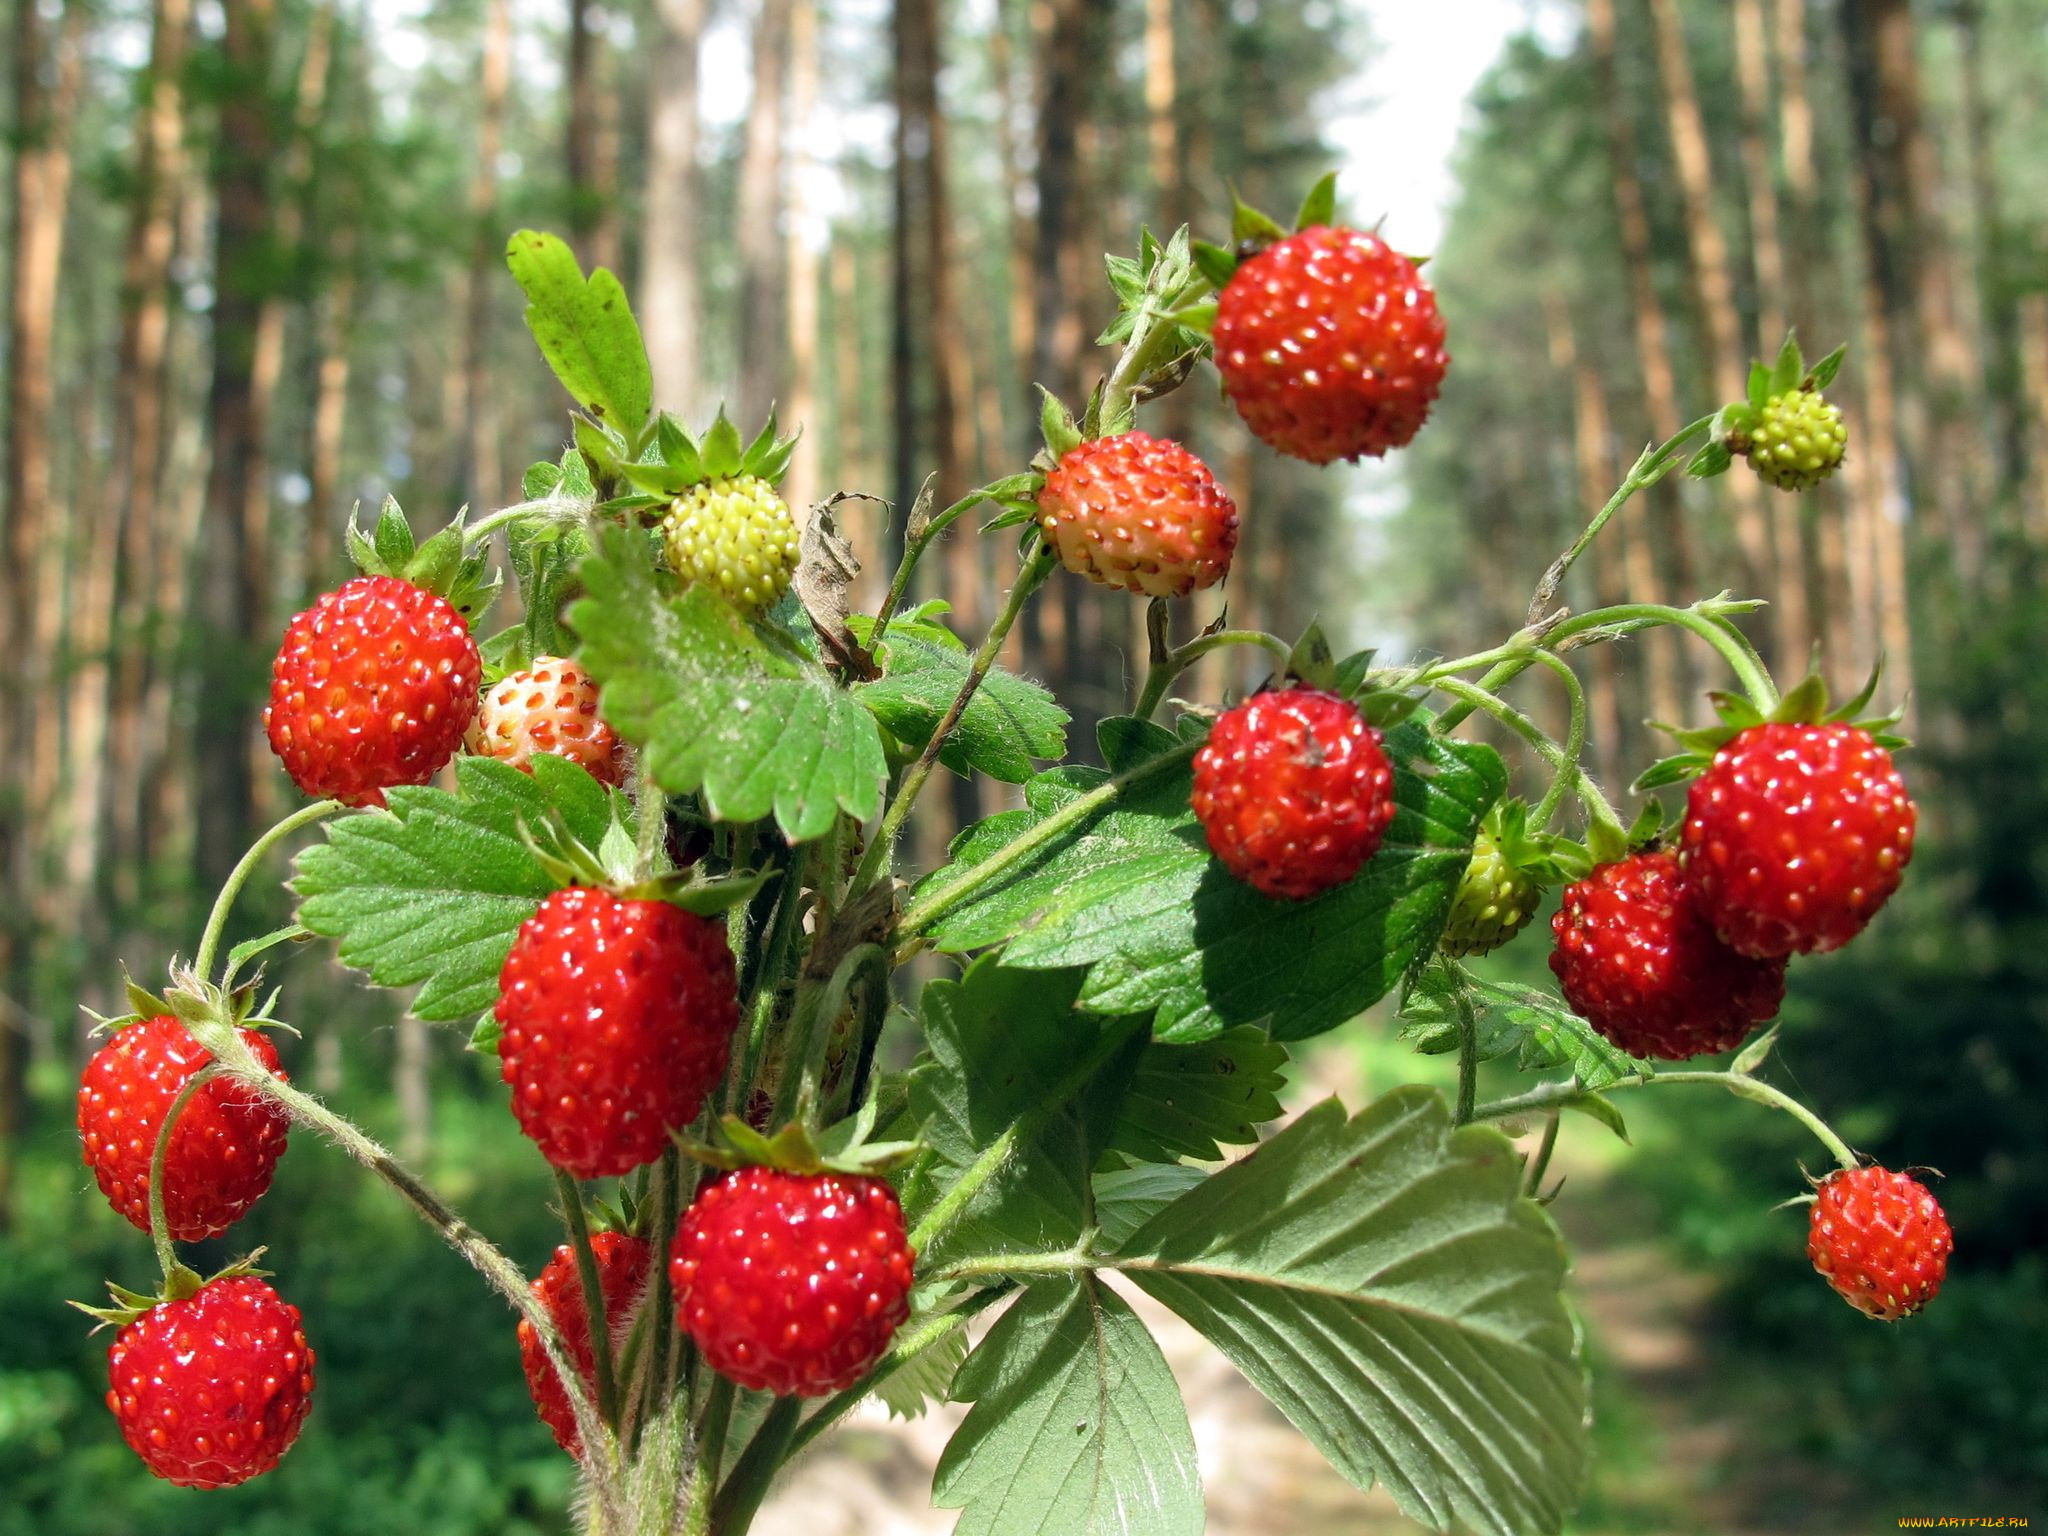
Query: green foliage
{"points": [[1077, 1425], [586, 331], [1514, 1020], [430, 892], [1380, 1280], [1007, 723], [1194, 1100], [1132, 894], [720, 708]]}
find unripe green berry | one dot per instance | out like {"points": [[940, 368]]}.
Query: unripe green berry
{"points": [[736, 535], [1495, 901], [1798, 442]]}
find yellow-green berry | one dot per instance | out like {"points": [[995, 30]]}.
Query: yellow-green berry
{"points": [[1798, 442], [1495, 901], [736, 535]]}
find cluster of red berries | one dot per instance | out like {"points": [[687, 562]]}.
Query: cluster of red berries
{"points": [[1794, 836]]}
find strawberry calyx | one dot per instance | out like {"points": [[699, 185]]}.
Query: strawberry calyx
{"points": [[1806, 704], [445, 565], [615, 865], [794, 1148], [181, 1283], [676, 461]]}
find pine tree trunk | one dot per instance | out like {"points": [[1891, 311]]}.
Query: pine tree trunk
{"points": [[668, 265], [483, 483], [801, 487], [235, 581], [1998, 292], [592, 152], [763, 282]]}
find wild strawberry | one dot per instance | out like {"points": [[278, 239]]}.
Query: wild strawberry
{"points": [[551, 707], [1880, 1240], [1495, 901], [1795, 836], [1293, 792], [1140, 514], [734, 534], [1798, 441], [792, 1283], [373, 686], [1638, 961], [222, 1151], [1330, 345], [622, 1262], [617, 1018], [211, 1391]]}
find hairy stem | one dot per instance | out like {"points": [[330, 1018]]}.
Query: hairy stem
{"points": [[1468, 1054], [574, 1219], [1532, 1181], [1162, 674], [217, 919], [740, 1499], [1570, 778], [710, 1456], [159, 1223], [1561, 1095], [1598, 810]]}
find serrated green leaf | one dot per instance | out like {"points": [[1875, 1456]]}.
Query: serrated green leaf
{"points": [[1133, 894], [927, 1377], [1007, 724], [585, 329], [1534, 1027], [1002, 1046], [1127, 1198], [1195, 1100], [545, 561], [1380, 1281], [1320, 206], [754, 730], [430, 892], [1077, 1425]]}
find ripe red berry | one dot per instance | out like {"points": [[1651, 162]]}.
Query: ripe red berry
{"points": [[1293, 792], [1795, 836], [551, 707], [1880, 1240], [211, 1391], [617, 1019], [1330, 345], [622, 1262], [373, 686], [1140, 514], [792, 1283], [222, 1152], [1637, 961]]}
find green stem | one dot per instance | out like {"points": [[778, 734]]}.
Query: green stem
{"points": [[936, 901], [159, 1223], [1598, 810], [593, 1296], [740, 1499], [1558, 1095], [475, 533], [1036, 568], [1468, 1055], [668, 1177], [758, 1006], [1717, 631], [913, 551], [1162, 674], [217, 919], [810, 1037], [710, 1456], [1532, 1182], [1574, 744]]}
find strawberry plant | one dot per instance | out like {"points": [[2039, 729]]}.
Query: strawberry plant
{"points": [[664, 886]]}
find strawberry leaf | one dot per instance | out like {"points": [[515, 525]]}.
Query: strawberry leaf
{"points": [[1077, 1424], [717, 708], [1533, 1027], [1380, 1281], [430, 892], [1131, 893], [585, 329], [1195, 1100]]}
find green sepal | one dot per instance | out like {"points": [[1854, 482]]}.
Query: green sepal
{"points": [[1249, 228], [484, 1038], [181, 1284], [1714, 459], [1056, 425], [1790, 367], [1754, 1054], [1312, 660], [793, 1149], [681, 461], [1215, 263], [1806, 703], [1320, 206], [441, 566], [1545, 857], [1822, 373], [613, 866]]}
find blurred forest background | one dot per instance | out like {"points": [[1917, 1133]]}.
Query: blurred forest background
{"points": [[253, 249]]}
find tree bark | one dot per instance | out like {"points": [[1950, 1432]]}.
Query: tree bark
{"points": [[592, 157], [668, 266], [483, 482], [235, 584], [1998, 293], [763, 281], [800, 258]]}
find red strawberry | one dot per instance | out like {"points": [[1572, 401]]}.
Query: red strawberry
{"points": [[1880, 1240], [792, 1283], [1294, 792], [1330, 345], [550, 707], [211, 1391], [1796, 835], [617, 1018], [1140, 514], [222, 1152], [622, 1263], [373, 686], [1637, 960]]}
